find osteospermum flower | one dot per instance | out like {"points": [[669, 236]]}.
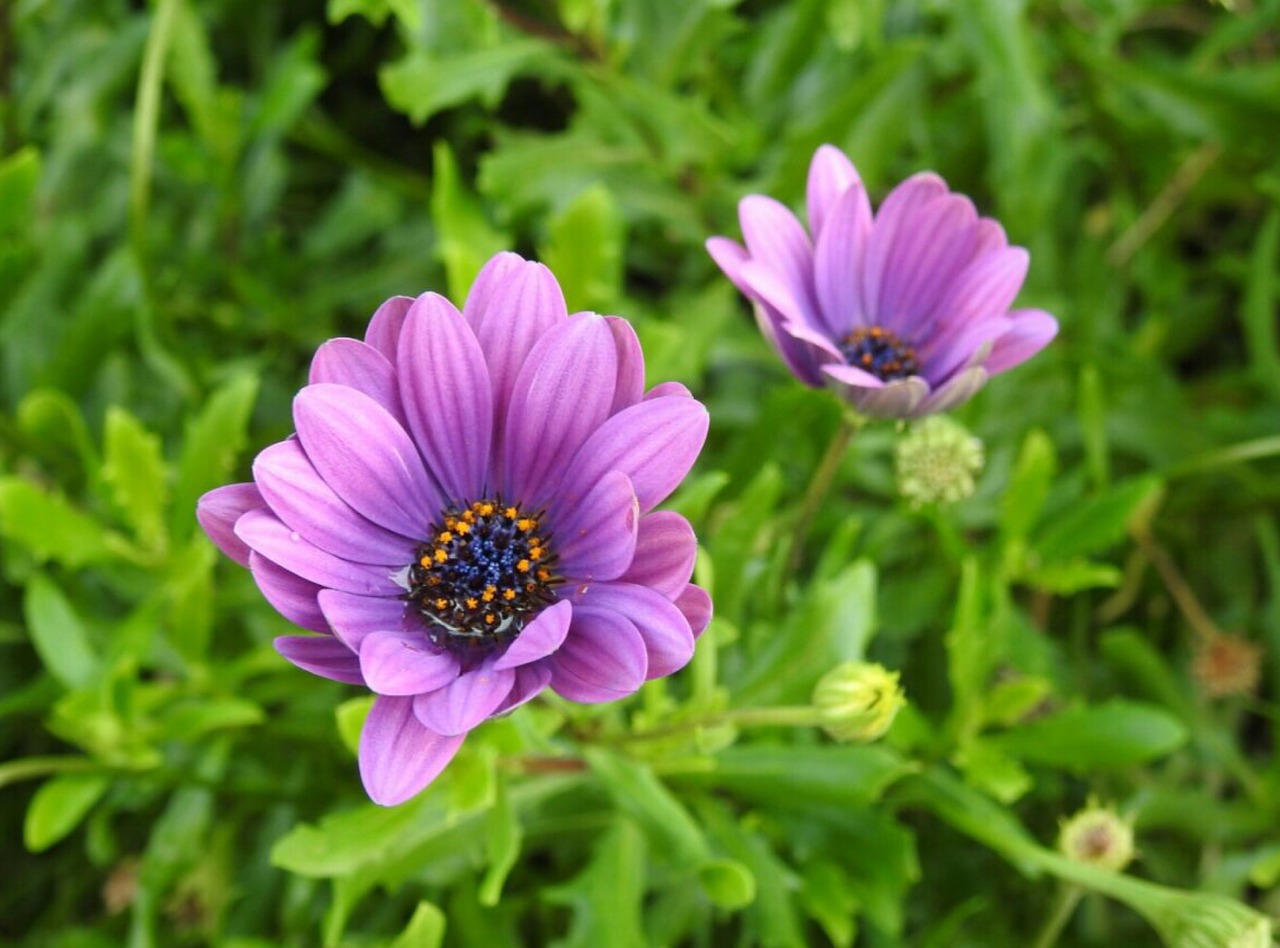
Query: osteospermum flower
{"points": [[466, 516], [904, 312]]}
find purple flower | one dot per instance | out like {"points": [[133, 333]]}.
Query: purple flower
{"points": [[466, 516], [906, 312]]}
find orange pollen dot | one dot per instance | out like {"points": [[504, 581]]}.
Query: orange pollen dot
{"points": [[441, 556], [472, 603], [526, 524], [510, 513], [442, 603], [445, 537], [425, 561], [535, 553], [523, 566], [508, 594], [464, 528], [489, 619], [544, 574], [484, 510]]}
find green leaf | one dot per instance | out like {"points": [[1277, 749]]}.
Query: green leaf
{"points": [[1111, 735], [584, 249], [191, 721], [58, 807], [606, 897], [375, 11], [212, 443], [1096, 523], [989, 768], [135, 470], [467, 239], [344, 843], [19, 175], [728, 883], [828, 899], [1073, 576], [422, 83], [50, 528], [425, 928], [51, 419], [351, 714], [1258, 309], [1028, 487], [643, 797], [851, 776], [502, 845], [59, 634]]}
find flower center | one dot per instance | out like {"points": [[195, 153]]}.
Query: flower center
{"points": [[484, 572], [879, 352]]}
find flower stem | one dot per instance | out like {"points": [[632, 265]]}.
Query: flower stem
{"points": [[790, 716], [1064, 905], [819, 486]]}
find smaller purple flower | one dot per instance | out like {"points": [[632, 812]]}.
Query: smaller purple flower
{"points": [[904, 312], [465, 516]]}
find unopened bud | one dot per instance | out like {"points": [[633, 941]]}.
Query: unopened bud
{"points": [[936, 462], [1208, 920], [1099, 837], [858, 700]]}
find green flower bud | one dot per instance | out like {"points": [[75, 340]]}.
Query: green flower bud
{"points": [[936, 462], [858, 700], [1207, 920], [1097, 836]]}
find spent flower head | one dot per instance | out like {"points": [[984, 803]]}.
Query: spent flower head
{"points": [[905, 312], [858, 700], [1097, 836], [466, 517], [936, 462]]}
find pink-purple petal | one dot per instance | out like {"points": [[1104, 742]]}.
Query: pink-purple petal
{"points": [[358, 365], [530, 680], [630, 381], [354, 617], [695, 603], [290, 595], [776, 240], [539, 638], [266, 534], [926, 259], [563, 394], [398, 756], [368, 459], [321, 655], [219, 509], [604, 658], [839, 255], [384, 327], [667, 636], [831, 174], [301, 498], [595, 534], [466, 701], [1032, 330], [445, 386], [654, 443], [896, 215], [666, 550], [405, 663]]}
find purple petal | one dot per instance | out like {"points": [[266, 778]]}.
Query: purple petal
{"points": [[985, 288], [663, 389], [667, 637], [604, 658], [730, 256], [799, 319], [898, 399], [563, 394], [630, 383], [530, 680], [967, 344], [512, 303], [1032, 330], [838, 262], [654, 443], [926, 259], [360, 366], [798, 356], [696, 606], [302, 499], [398, 756], [896, 214], [447, 397], [595, 535], [290, 595], [384, 327], [466, 701], [831, 174], [666, 550], [405, 663], [539, 638], [219, 509], [321, 655], [354, 617], [956, 390], [366, 457], [776, 241], [851, 375], [287, 549]]}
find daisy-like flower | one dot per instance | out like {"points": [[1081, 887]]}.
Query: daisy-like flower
{"points": [[904, 312], [466, 517]]}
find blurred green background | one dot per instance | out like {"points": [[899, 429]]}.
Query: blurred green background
{"points": [[195, 193]]}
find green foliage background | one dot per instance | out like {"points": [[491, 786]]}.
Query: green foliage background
{"points": [[195, 193]]}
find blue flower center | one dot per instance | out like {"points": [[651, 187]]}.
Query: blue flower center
{"points": [[483, 573], [879, 352]]}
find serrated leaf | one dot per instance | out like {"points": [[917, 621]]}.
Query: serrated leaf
{"points": [[59, 634], [211, 447], [58, 807], [423, 83], [1110, 735], [987, 767], [642, 796], [606, 896], [50, 528], [134, 469]]}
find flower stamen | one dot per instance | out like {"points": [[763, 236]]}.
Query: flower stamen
{"points": [[880, 352]]}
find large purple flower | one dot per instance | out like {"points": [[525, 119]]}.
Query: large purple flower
{"points": [[906, 312], [466, 516]]}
